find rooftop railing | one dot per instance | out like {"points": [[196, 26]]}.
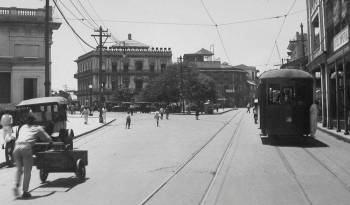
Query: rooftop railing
{"points": [[13, 13]]}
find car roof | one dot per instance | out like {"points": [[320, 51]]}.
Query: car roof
{"points": [[43, 100]]}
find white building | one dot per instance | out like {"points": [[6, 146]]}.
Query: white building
{"points": [[22, 54]]}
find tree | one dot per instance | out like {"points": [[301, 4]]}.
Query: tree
{"points": [[163, 88], [199, 87], [122, 94]]}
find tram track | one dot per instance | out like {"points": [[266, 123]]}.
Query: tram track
{"points": [[291, 171], [313, 156], [194, 155]]}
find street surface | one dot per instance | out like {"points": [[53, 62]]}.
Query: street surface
{"points": [[219, 159]]}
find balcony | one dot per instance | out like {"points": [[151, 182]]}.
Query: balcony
{"points": [[341, 38]]}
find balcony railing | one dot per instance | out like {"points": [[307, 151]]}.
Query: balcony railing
{"points": [[22, 14], [341, 38]]}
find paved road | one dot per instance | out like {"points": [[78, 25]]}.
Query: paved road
{"points": [[228, 163]]}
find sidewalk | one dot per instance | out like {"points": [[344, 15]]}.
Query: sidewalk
{"points": [[333, 132], [76, 123]]}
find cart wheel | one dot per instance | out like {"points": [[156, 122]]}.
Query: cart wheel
{"points": [[43, 175], [80, 169]]}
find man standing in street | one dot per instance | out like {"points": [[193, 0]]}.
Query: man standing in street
{"points": [[156, 117], [313, 118], [128, 120]]}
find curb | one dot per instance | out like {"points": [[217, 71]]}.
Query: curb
{"points": [[2, 164], [93, 130], [207, 114], [339, 137]]}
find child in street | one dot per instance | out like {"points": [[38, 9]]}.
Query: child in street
{"points": [[157, 116], [128, 121]]}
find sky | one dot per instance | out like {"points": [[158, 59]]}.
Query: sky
{"points": [[251, 43]]}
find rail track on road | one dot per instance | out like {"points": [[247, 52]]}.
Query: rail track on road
{"points": [[195, 154], [319, 161]]}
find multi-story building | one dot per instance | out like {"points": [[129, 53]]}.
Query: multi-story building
{"points": [[232, 82], [22, 54], [297, 52], [127, 64], [328, 23]]}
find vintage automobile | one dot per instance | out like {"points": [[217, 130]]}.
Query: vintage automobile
{"points": [[59, 155]]}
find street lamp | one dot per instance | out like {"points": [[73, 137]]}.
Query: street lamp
{"points": [[90, 89]]}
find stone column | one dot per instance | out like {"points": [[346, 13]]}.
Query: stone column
{"points": [[346, 132], [337, 94], [323, 95]]}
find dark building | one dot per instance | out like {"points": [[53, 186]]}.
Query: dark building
{"points": [[328, 24], [235, 84]]}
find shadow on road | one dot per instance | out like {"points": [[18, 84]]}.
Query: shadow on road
{"points": [[290, 141], [37, 196], [66, 183]]}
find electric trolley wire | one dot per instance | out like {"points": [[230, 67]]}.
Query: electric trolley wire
{"points": [[217, 30], [259, 19], [87, 13], [81, 14], [280, 30], [70, 26], [100, 19], [80, 19]]}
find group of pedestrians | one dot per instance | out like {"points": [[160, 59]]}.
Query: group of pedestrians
{"points": [[18, 145], [86, 112], [158, 115]]}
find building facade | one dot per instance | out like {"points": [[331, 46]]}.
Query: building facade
{"points": [[127, 64], [22, 54], [232, 82], [297, 52], [329, 59]]}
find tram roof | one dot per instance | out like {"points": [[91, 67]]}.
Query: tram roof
{"points": [[43, 100], [285, 73]]}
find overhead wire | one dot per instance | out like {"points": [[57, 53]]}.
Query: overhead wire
{"points": [[80, 19], [71, 27], [280, 30], [81, 14], [87, 13], [100, 19], [217, 30]]}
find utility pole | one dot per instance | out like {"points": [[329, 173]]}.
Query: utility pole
{"points": [[302, 40], [47, 82], [101, 84], [182, 106]]}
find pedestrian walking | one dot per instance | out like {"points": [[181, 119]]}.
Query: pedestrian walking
{"points": [[313, 118], [85, 113], [197, 114], [28, 134], [128, 120], [161, 111], [167, 111], [8, 138], [255, 113], [248, 108], [104, 114], [157, 116]]}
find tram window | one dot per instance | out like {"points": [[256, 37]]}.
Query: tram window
{"points": [[287, 95], [274, 94]]}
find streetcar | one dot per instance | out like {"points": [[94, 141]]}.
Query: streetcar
{"points": [[285, 96]]}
